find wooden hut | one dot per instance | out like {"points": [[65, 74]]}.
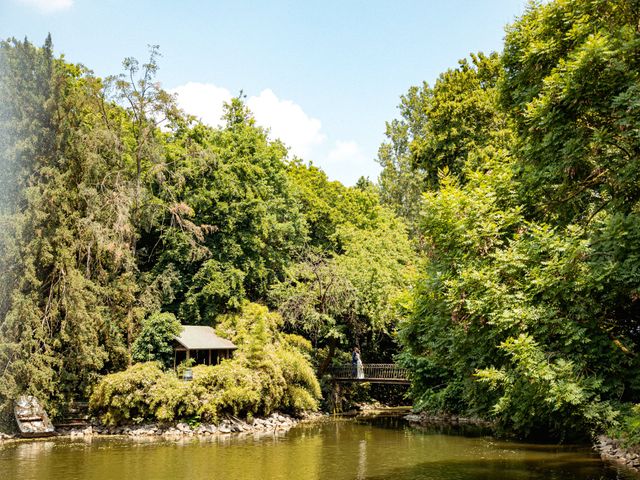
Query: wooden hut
{"points": [[202, 344]]}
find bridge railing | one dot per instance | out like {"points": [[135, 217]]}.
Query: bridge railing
{"points": [[372, 371]]}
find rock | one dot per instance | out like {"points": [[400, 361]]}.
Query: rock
{"points": [[611, 450], [274, 422], [183, 427]]}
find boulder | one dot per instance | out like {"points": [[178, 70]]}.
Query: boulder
{"points": [[183, 427]]}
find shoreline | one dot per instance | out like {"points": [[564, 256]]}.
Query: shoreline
{"points": [[276, 422], [423, 418], [231, 425], [609, 449], [612, 450]]}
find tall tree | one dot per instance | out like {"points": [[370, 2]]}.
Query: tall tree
{"points": [[571, 86], [226, 221], [526, 310], [67, 258]]}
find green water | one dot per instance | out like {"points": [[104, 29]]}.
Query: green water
{"points": [[383, 448]]}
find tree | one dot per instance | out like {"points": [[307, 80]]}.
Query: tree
{"points": [[226, 222], [527, 300], [327, 205], [344, 299], [571, 88], [155, 340], [318, 301], [67, 265], [438, 129], [148, 105]]}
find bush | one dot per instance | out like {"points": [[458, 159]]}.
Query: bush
{"points": [[627, 429], [226, 388], [142, 392], [270, 371], [302, 389], [542, 396]]}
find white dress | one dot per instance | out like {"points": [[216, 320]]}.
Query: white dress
{"points": [[359, 367]]}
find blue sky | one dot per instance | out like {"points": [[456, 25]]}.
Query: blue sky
{"points": [[324, 76]]}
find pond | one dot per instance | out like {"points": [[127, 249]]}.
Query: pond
{"points": [[363, 448]]}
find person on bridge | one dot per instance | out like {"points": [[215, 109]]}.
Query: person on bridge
{"points": [[359, 368]]}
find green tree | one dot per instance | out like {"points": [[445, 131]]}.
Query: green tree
{"points": [[155, 340], [343, 299], [327, 205], [527, 298], [67, 264], [226, 222], [571, 87], [318, 301]]}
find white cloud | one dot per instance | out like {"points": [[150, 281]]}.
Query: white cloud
{"points": [[47, 6], [345, 151], [343, 160], [204, 100], [286, 119], [287, 122], [347, 162]]}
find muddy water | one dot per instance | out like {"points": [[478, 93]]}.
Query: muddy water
{"points": [[381, 448]]}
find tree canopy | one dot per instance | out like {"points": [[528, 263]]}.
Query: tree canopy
{"points": [[123, 217], [525, 309]]}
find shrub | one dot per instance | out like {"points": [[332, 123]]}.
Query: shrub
{"points": [[542, 396], [627, 429], [270, 371], [124, 396], [226, 388], [302, 389]]}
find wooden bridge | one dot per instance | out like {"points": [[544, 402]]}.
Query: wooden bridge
{"points": [[373, 373]]}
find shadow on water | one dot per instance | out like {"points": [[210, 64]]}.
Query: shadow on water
{"points": [[504, 470], [550, 462], [394, 422], [373, 448]]}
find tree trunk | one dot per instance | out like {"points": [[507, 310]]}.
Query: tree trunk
{"points": [[325, 363]]}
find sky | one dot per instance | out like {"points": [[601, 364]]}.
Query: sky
{"points": [[323, 76]]}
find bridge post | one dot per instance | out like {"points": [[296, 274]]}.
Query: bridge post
{"points": [[336, 397]]}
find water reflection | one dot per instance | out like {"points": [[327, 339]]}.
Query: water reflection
{"points": [[362, 459], [371, 449], [30, 450]]}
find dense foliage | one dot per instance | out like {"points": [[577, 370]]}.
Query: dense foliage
{"points": [[503, 238], [526, 309], [122, 218], [154, 342], [270, 371], [67, 267]]}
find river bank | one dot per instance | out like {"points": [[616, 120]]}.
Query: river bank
{"points": [[276, 422], [609, 449], [612, 450], [372, 447], [424, 418]]}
